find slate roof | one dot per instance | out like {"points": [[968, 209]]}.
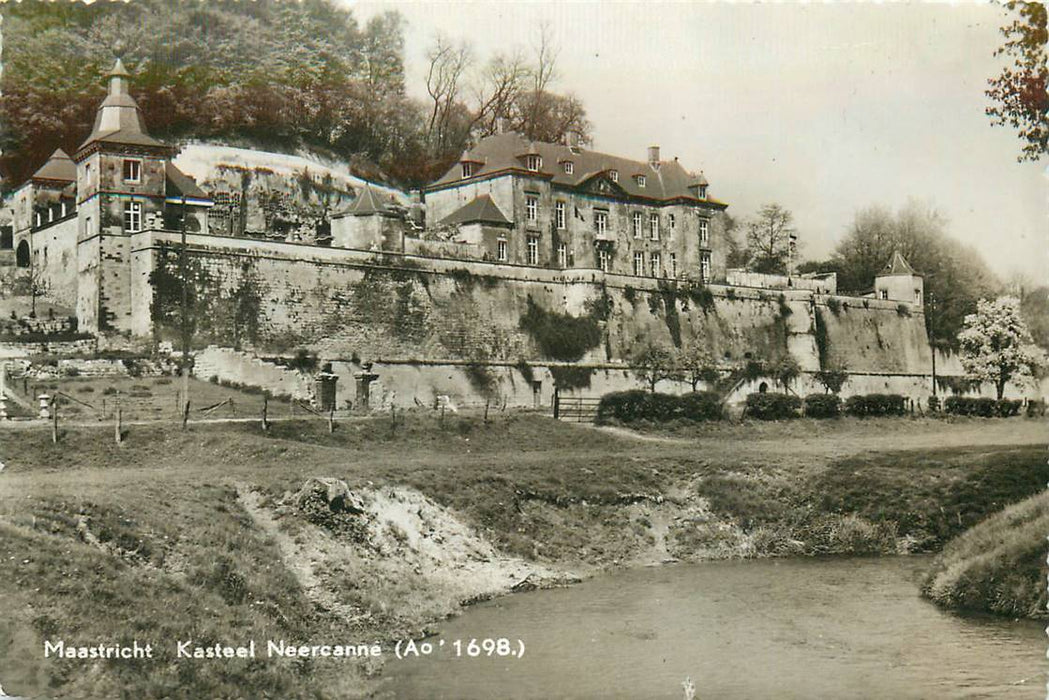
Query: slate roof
{"points": [[179, 184], [118, 119], [480, 209], [897, 266], [501, 152], [59, 167], [368, 202]]}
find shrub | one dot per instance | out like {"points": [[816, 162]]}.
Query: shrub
{"points": [[1036, 408], [772, 406], [630, 406], [903, 310], [304, 361], [934, 404], [822, 406], [981, 407], [876, 405], [560, 336], [834, 305]]}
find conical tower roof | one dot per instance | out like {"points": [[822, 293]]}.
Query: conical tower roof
{"points": [[59, 167], [119, 119], [898, 265]]}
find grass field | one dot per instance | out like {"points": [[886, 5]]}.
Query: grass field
{"points": [[152, 538]]}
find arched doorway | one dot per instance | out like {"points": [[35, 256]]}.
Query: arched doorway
{"points": [[22, 254]]}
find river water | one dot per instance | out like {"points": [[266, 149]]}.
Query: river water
{"points": [[790, 628]]}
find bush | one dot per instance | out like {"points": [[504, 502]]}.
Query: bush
{"points": [[934, 404], [982, 407], [876, 405], [630, 406], [822, 406], [772, 406], [1036, 408]]}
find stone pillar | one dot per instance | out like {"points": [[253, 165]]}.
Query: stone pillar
{"points": [[45, 405], [363, 381], [3, 392], [325, 388]]}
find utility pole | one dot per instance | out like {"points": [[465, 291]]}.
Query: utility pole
{"points": [[932, 338], [185, 308]]}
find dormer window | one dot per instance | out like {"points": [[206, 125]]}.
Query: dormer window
{"points": [[702, 191], [613, 175], [640, 180], [569, 167], [132, 170], [468, 170], [534, 162]]}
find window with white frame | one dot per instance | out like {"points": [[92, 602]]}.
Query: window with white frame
{"points": [[637, 224], [501, 251], [132, 170], [613, 175], [704, 267], [641, 180], [655, 266], [562, 255], [673, 265], [672, 220], [884, 294], [601, 221], [534, 163], [639, 263], [604, 260], [702, 191], [653, 226], [468, 169], [532, 207], [917, 296], [132, 217], [704, 233], [533, 250], [559, 215], [569, 167]]}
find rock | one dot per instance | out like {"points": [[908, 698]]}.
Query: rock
{"points": [[334, 492]]}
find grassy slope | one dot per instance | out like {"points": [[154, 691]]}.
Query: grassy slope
{"points": [[998, 566], [186, 561]]}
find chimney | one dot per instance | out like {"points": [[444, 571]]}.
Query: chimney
{"points": [[572, 139], [653, 156], [500, 125]]}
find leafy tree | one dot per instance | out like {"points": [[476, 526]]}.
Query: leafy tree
{"points": [[653, 364], [832, 379], [273, 74], [996, 345], [1034, 305], [696, 365], [785, 371], [769, 238], [1019, 92]]}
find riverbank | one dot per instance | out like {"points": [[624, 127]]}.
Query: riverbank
{"points": [[196, 535], [998, 566]]}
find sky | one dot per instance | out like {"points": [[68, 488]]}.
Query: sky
{"points": [[824, 108]]}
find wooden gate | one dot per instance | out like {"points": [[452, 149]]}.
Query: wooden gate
{"points": [[581, 409]]}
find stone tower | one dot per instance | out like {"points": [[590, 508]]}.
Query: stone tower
{"points": [[899, 282], [120, 184]]}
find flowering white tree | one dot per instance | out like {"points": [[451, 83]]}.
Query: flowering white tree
{"points": [[996, 345]]}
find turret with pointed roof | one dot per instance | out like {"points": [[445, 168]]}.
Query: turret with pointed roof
{"points": [[58, 168], [899, 282], [119, 119]]}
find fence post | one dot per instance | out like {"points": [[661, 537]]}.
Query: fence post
{"points": [[118, 432], [185, 414], [331, 420], [232, 407], [557, 405], [265, 410], [54, 419], [486, 402]]}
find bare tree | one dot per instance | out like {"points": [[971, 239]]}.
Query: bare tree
{"points": [[769, 238], [448, 64], [498, 90]]}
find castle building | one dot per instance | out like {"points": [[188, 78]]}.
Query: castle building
{"points": [[563, 206], [73, 219], [899, 282]]}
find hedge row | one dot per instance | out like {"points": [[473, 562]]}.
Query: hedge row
{"points": [[876, 405], [772, 406], [822, 406], [981, 407], [630, 406]]}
